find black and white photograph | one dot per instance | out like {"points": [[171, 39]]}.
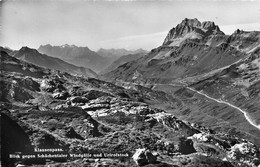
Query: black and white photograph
{"points": [[130, 83]]}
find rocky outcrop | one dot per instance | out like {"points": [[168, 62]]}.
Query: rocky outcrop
{"points": [[14, 138], [29, 83], [245, 153], [70, 133], [238, 151], [75, 100], [172, 122], [16, 92], [52, 84], [194, 26], [143, 157], [61, 95], [48, 85]]}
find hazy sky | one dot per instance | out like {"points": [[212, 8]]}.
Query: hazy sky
{"points": [[114, 24]]}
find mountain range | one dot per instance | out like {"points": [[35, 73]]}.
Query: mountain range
{"points": [[83, 56], [190, 49], [43, 60], [117, 53], [225, 68], [34, 57], [79, 56]]}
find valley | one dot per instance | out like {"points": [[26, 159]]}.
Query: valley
{"points": [[231, 105]]}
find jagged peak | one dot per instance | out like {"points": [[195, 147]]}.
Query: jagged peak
{"points": [[68, 46], [238, 31], [64, 46], [187, 26], [209, 25], [190, 22]]}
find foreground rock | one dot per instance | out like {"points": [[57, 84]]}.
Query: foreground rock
{"points": [[143, 157]]}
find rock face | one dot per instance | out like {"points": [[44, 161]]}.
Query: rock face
{"points": [[143, 157], [194, 28], [14, 138]]}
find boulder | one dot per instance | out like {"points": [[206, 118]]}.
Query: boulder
{"points": [[70, 133], [29, 83], [143, 157], [61, 95], [94, 94], [78, 99], [48, 85]]}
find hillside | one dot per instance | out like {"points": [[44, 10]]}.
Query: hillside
{"points": [[120, 61]]}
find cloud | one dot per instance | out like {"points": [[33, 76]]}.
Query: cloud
{"points": [[134, 37], [146, 41], [229, 29]]}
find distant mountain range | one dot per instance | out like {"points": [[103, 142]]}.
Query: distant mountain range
{"points": [[62, 58], [116, 53], [83, 56], [79, 56], [42, 60]]}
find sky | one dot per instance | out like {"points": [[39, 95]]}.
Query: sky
{"points": [[114, 24]]}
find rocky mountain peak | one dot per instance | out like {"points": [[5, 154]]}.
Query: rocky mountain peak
{"points": [[26, 49], [209, 25], [190, 22], [68, 46], [192, 28]]}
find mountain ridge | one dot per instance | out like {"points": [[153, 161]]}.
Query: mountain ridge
{"points": [[79, 56], [33, 56]]}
